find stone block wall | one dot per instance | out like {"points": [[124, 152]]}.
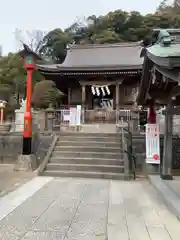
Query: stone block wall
{"points": [[139, 148], [11, 146]]}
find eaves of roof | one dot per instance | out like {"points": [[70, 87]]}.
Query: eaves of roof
{"points": [[59, 68], [100, 57]]}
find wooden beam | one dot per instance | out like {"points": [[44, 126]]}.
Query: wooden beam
{"points": [[98, 82]]}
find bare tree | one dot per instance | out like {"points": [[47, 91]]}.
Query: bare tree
{"points": [[169, 6], [34, 39], [18, 39], [176, 4]]}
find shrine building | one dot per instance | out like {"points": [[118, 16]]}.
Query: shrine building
{"points": [[99, 76]]}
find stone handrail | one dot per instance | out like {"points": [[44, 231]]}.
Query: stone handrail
{"points": [[47, 156]]}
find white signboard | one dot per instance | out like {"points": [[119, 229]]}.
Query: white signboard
{"points": [[152, 144], [78, 115], [72, 117], [66, 115]]}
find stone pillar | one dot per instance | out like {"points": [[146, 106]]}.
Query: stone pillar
{"points": [[117, 96], [166, 167], [19, 120]]}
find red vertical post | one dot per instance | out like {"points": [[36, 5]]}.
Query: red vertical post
{"points": [[151, 113], [29, 90], [30, 59], [27, 134]]}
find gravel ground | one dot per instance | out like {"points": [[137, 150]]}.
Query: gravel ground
{"points": [[11, 180]]}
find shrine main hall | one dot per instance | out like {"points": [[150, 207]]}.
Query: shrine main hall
{"points": [[98, 76]]}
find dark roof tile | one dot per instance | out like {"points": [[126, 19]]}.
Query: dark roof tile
{"points": [[105, 56]]}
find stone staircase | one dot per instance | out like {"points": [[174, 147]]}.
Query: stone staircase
{"points": [[86, 155]]}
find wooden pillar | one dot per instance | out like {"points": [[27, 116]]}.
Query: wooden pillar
{"points": [[69, 97], [117, 96], [83, 89], [83, 96], [166, 168]]}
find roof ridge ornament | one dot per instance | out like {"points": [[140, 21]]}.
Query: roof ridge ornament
{"points": [[164, 38], [106, 45], [169, 30]]}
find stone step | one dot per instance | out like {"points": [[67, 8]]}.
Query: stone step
{"points": [[84, 167], [89, 134], [84, 139], [87, 143], [82, 160], [90, 154], [81, 174], [87, 149]]}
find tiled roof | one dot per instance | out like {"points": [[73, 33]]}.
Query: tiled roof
{"points": [[101, 56]]}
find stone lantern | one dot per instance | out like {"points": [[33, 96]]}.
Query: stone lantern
{"points": [[4, 127]]}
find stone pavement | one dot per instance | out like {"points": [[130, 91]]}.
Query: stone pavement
{"points": [[85, 209], [169, 191]]}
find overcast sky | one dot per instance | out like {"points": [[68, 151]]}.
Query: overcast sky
{"points": [[49, 14]]}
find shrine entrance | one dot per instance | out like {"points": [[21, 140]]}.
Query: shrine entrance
{"points": [[98, 120], [101, 109]]}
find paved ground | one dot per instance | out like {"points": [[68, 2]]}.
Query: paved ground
{"points": [[69, 209], [10, 180], [169, 192], [175, 185]]}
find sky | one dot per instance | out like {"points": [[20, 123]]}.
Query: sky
{"points": [[47, 15]]}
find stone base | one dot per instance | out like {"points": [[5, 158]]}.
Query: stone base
{"points": [[75, 128], [26, 163], [152, 168], [166, 177], [78, 128]]}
